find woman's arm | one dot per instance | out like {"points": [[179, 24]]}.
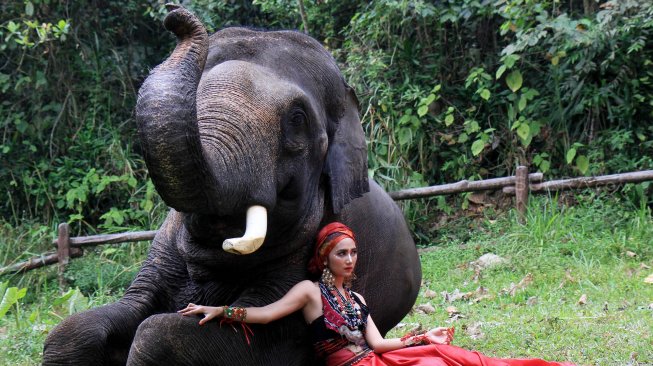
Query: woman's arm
{"points": [[376, 341], [295, 299]]}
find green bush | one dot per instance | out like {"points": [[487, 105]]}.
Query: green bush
{"points": [[68, 85], [106, 270]]}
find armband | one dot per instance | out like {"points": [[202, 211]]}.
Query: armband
{"points": [[234, 313]]}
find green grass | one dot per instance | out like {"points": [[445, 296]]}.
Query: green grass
{"points": [[569, 251]]}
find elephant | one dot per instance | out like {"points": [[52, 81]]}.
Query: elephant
{"points": [[253, 138]]}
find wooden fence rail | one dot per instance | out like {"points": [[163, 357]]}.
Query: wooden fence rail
{"points": [[461, 187], [520, 185], [68, 248], [87, 241], [587, 182]]}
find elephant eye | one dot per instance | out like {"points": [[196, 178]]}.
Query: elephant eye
{"points": [[295, 130], [298, 118]]}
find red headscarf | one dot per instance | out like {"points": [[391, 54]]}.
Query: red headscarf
{"points": [[323, 246]]}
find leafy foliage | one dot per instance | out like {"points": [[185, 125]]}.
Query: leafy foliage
{"points": [[68, 83], [450, 90], [532, 71], [10, 297]]}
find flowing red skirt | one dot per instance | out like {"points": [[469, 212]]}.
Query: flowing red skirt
{"points": [[445, 355]]}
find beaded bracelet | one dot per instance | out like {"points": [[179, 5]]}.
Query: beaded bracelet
{"points": [[405, 337], [235, 313], [414, 339]]}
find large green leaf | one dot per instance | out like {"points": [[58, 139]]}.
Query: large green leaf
{"points": [[63, 298], [522, 103], [78, 302], [571, 154], [429, 99], [582, 163], [545, 166], [29, 9], [514, 80], [422, 110], [72, 301], [404, 119], [477, 147], [523, 131], [405, 136], [11, 296], [500, 71]]}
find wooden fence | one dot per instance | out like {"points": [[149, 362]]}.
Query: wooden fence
{"points": [[519, 185]]}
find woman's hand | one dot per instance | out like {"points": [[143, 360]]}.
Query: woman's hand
{"points": [[440, 335], [209, 312]]}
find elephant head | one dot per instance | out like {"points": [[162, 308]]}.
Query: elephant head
{"points": [[246, 123]]}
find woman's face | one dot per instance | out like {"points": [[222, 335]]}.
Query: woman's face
{"points": [[342, 259]]}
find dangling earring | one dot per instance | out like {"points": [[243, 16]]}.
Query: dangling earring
{"points": [[327, 277], [349, 280]]}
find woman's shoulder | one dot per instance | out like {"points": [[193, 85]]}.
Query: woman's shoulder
{"points": [[308, 286], [360, 297]]}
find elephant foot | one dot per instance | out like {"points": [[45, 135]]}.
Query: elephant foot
{"points": [[89, 338], [172, 339]]}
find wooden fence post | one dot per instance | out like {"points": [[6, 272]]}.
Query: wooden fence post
{"points": [[521, 191], [63, 252]]}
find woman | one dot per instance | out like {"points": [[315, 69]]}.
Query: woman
{"points": [[342, 329]]}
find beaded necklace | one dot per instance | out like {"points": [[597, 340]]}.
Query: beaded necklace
{"points": [[345, 306]]}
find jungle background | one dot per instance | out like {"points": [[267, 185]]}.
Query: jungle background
{"points": [[449, 90]]}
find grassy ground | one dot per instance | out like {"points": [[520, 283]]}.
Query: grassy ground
{"points": [[600, 250], [98, 278], [586, 300]]}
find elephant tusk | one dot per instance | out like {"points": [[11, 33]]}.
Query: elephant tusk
{"points": [[257, 226]]}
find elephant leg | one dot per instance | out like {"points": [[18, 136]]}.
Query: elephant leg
{"points": [[172, 339], [100, 336], [103, 336]]}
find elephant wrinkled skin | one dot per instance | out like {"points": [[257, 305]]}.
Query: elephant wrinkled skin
{"points": [[236, 120]]}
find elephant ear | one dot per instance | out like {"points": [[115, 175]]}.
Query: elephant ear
{"points": [[346, 161]]}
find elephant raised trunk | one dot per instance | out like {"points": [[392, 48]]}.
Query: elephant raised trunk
{"points": [[167, 120]]}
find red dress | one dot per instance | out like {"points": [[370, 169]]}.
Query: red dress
{"points": [[442, 355], [338, 340]]}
